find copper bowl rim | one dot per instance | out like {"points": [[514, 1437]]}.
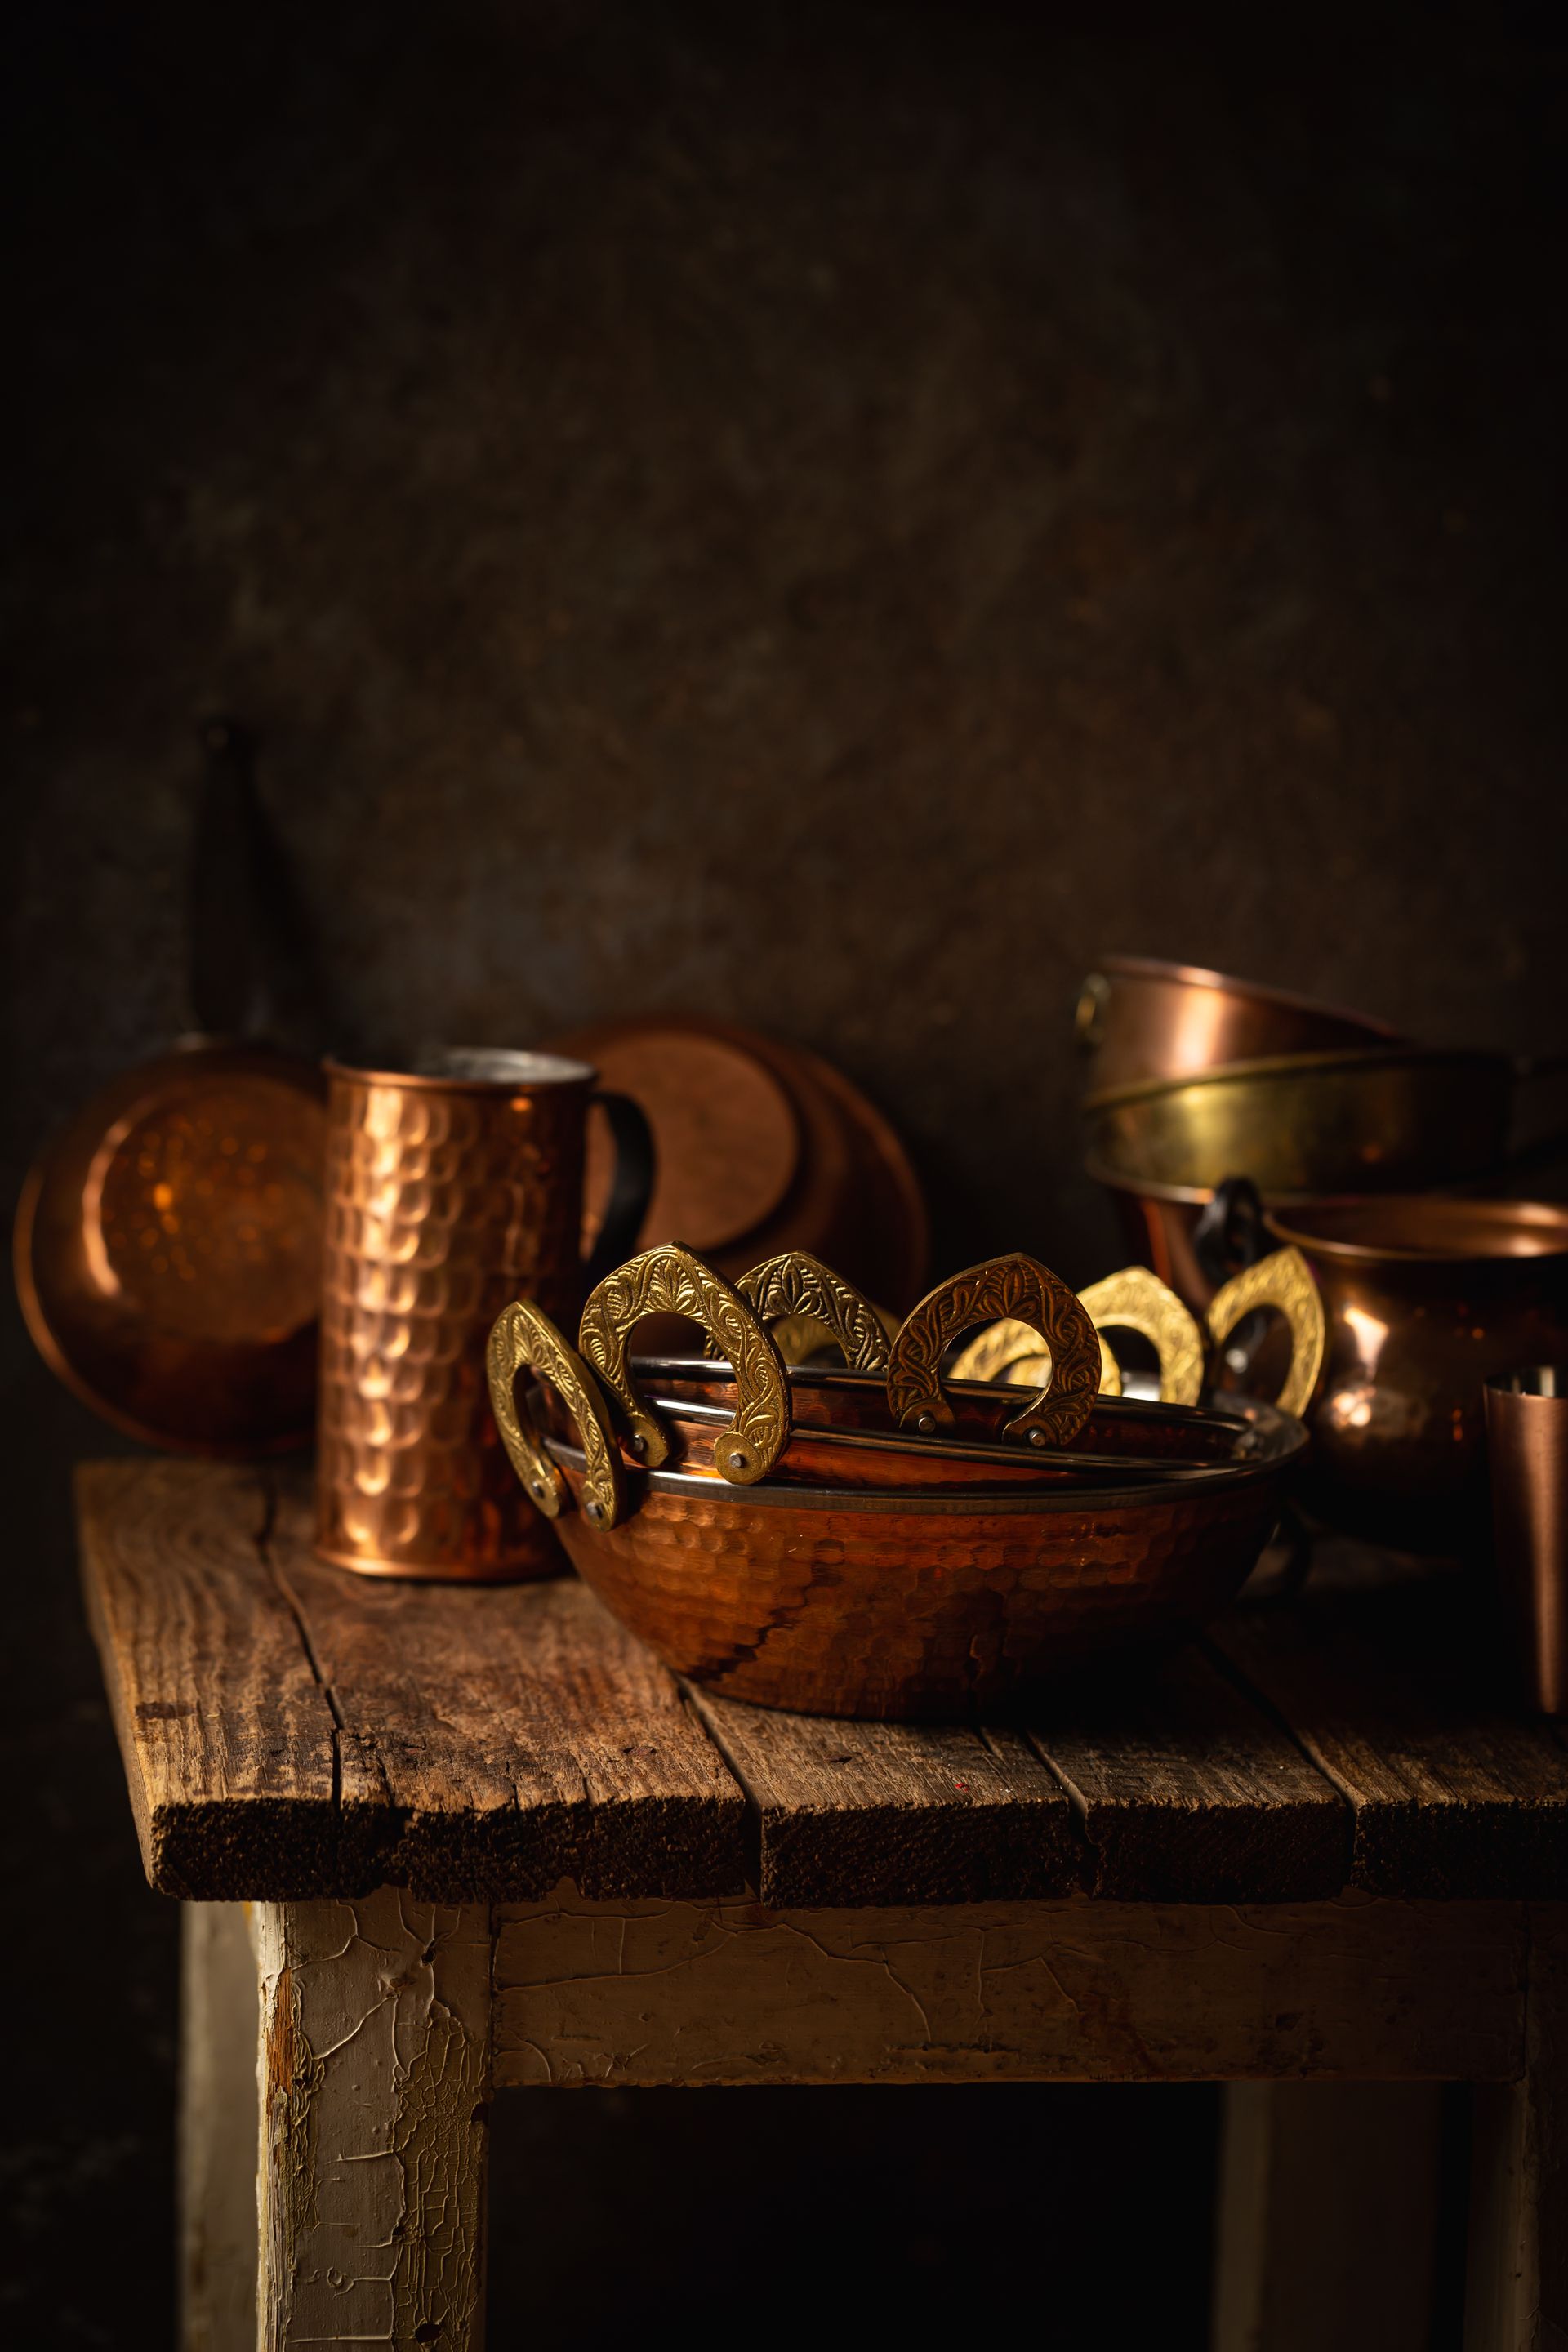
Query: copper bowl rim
{"points": [[1257, 991], [1283, 1438], [1551, 1215], [568, 1072], [1352, 1059]]}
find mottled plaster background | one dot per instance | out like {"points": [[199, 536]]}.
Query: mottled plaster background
{"points": [[824, 515]]}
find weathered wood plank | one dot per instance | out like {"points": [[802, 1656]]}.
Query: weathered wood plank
{"points": [[1188, 1792], [1327, 2219], [219, 2029], [227, 1738], [517, 1735], [1516, 2284], [376, 2081], [646, 1994], [1392, 1684], [888, 1813]]}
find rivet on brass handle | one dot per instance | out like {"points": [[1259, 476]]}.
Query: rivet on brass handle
{"points": [[799, 1299], [672, 1280], [521, 1336], [1137, 1300], [1283, 1281], [1015, 1286]]}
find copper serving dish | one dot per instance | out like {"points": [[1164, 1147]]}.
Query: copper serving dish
{"points": [[1141, 1018], [927, 1600], [1425, 1299]]}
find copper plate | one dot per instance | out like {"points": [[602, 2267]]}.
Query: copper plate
{"points": [[167, 1251]]}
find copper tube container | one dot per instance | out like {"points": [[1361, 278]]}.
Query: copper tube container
{"points": [[447, 1192], [1527, 1445]]}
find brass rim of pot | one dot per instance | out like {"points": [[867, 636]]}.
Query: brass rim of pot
{"points": [[1385, 1226], [1369, 1058]]}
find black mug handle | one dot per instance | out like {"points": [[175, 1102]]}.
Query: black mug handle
{"points": [[631, 1187], [1230, 1235]]}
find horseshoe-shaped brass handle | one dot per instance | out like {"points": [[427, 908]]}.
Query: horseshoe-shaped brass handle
{"points": [[1016, 1287], [522, 1336], [672, 1280], [1283, 1281], [1137, 1300], [798, 1297]]}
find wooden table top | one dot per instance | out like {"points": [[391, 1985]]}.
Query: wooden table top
{"points": [[291, 1731]]}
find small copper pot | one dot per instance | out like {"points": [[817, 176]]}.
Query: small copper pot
{"points": [[447, 1191], [1140, 1018], [1425, 1299]]}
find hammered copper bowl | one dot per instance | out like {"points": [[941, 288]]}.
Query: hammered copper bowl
{"points": [[919, 1605]]}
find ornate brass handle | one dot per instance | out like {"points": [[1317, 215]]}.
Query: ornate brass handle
{"points": [[672, 1280], [1016, 1287], [797, 1296], [1283, 1281], [521, 1336], [1137, 1300]]}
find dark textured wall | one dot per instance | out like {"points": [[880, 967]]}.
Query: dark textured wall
{"points": [[824, 515]]}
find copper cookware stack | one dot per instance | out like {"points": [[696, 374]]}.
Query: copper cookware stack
{"points": [[877, 1537]]}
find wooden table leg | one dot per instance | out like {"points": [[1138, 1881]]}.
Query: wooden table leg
{"points": [[219, 2016], [1516, 2297], [1327, 2217], [376, 2071]]}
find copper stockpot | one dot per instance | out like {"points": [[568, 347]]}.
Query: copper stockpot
{"points": [[447, 1190], [1426, 1296], [1140, 1018], [919, 1605]]}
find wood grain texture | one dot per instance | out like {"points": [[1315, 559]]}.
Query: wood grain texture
{"points": [[375, 2081], [1392, 1685], [647, 1993], [290, 1730], [1188, 1792], [227, 1735], [885, 1813]]}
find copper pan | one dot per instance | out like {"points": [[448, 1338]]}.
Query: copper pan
{"points": [[1139, 1018], [167, 1243], [917, 1605]]}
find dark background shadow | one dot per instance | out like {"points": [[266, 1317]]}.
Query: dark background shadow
{"points": [[826, 516]]}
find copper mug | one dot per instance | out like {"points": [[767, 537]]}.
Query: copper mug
{"points": [[449, 1189], [1527, 1445]]}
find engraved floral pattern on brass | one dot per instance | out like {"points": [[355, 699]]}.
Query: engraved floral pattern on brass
{"points": [[671, 1280], [1282, 1281], [524, 1337], [1015, 1286], [446, 1197], [1130, 1300], [797, 1290]]}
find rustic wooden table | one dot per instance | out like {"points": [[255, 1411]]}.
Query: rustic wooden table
{"points": [[437, 1842]]}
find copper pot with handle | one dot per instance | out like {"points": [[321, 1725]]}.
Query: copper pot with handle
{"points": [[1138, 1017]]}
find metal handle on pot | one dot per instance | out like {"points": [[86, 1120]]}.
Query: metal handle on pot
{"points": [[1284, 1282], [1090, 1011], [796, 1288], [1230, 1235], [1136, 1300], [523, 1336], [672, 1280], [1015, 1286]]}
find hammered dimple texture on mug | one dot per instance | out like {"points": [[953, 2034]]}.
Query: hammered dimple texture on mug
{"points": [[443, 1204]]}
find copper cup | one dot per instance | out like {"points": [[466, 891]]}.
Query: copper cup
{"points": [[1527, 1445], [449, 1189]]}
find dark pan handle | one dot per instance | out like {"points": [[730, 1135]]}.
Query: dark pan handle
{"points": [[1230, 1235], [631, 1188], [252, 974]]}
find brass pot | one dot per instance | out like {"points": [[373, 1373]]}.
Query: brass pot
{"points": [[1382, 1120], [1140, 1018], [1425, 1299]]}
